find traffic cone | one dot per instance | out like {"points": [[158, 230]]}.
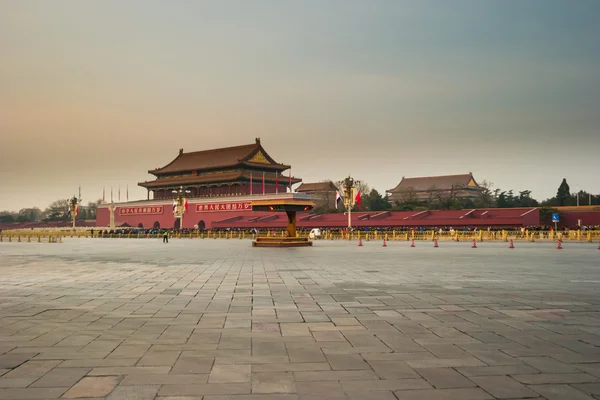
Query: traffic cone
{"points": [[474, 245], [384, 243], [412, 244], [435, 243], [360, 241], [512, 245], [559, 246]]}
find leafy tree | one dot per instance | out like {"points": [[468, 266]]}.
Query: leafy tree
{"points": [[92, 208], [488, 196], [29, 215], [7, 217], [57, 211], [375, 202], [563, 193], [546, 215], [82, 214]]}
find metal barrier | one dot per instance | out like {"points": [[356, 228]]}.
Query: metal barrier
{"points": [[392, 235]]}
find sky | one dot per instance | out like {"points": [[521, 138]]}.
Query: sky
{"points": [[96, 93]]}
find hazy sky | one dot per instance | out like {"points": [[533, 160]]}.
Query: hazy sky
{"points": [[95, 93]]}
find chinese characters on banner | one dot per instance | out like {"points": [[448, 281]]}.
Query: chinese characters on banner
{"points": [[140, 210], [237, 206], [149, 210]]}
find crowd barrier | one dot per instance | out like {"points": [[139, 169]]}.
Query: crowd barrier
{"points": [[394, 235]]}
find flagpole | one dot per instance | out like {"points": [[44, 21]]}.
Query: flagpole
{"points": [[250, 183], [276, 182], [290, 179], [263, 183]]}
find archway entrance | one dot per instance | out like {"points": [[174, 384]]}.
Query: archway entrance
{"points": [[177, 224], [140, 225], [156, 225], [201, 225]]}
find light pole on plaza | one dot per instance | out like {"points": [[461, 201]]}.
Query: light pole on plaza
{"points": [[179, 206], [74, 207], [349, 197]]}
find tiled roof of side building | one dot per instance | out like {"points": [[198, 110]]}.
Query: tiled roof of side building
{"points": [[445, 182], [219, 158], [316, 187]]}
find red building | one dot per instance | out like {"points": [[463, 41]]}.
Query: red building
{"points": [[434, 187], [229, 171], [219, 184], [223, 182]]}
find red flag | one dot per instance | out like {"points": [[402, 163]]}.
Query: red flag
{"points": [[186, 205], [357, 199], [263, 183], [276, 182], [76, 209]]}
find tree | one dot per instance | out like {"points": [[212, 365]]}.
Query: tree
{"points": [[82, 214], [563, 193], [7, 217], [546, 215], [57, 211], [92, 209], [29, 215], [525, 199], [375, 202], [488, 196]]}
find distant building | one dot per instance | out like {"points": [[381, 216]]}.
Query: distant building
{"points": [[228, 171], [462, 187], [322, 193], [219, 184]]}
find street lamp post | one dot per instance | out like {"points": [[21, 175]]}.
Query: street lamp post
{"points": [[179, 208], [73, 208], [349, 197]]}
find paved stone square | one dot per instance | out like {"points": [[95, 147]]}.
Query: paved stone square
{"points": [[217, 319]]}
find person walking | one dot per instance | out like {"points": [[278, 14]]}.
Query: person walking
{"points": [[166, 237]]}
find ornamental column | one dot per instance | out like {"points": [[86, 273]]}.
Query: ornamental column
{"points": [[111, 211]]}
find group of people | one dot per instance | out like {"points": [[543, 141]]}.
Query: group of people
{"points": [[337, 231]]}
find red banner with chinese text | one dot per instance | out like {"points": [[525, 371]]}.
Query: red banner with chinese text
{"points": [[141, 210], [236, 206]]}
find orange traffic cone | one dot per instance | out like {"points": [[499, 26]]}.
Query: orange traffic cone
{"points": [[412, 244], [360, 241], [512, 245], [435, 243], [559, 246], [474, 245], [384, 243]]}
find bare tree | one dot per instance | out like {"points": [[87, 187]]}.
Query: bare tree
{"points": [[487, 195]]}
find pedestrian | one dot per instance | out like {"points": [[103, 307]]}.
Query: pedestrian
{"points": [[166, 237]]}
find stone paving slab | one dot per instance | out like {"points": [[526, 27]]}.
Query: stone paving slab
{"points": [[214, 320]]}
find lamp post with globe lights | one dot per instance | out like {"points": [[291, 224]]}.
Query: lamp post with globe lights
{"points": [[74, 207], [179, 206], [350, 186]]}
